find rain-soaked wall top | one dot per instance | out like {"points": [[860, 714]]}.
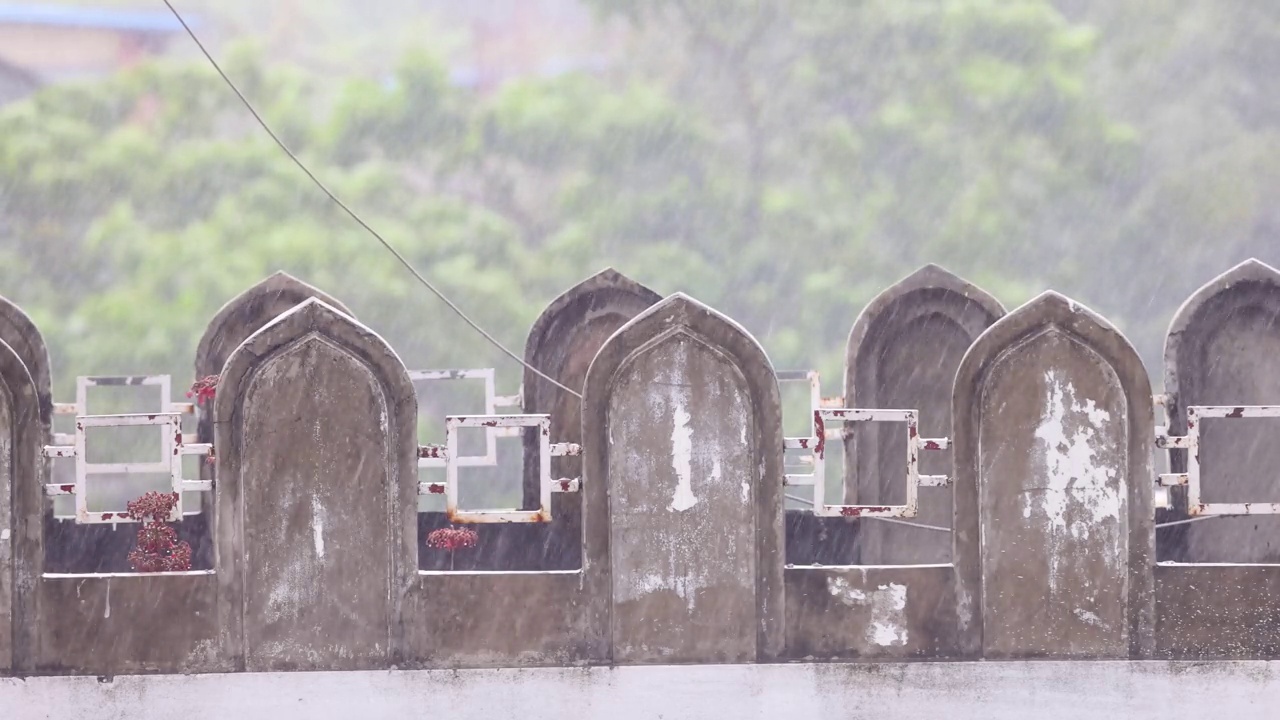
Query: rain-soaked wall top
{"points": [[1000, 486]]}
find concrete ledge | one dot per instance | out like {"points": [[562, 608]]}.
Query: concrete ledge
{"points": [[955, 691]]}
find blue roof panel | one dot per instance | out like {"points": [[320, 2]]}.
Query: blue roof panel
{"points": [[91, 17]]}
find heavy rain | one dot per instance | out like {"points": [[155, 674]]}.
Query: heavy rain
{"points": [[426, 334]]}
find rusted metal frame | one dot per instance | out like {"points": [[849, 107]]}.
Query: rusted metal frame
{"points": [[453, 423], [174, 449], [1190, 442], [812, 441], [64, 443], [445, 455], [825, 419], [492, 401]]}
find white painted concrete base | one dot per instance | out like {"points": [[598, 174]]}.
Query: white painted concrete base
{"points": [[932, 691]]}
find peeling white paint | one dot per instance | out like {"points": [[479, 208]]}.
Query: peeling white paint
{"points": [[4, 534], [845, 592], [964, 610], [682, 460], [106, 613], [686, 587], [1075, 477], [746, 492], [317, 526], [887, 625], [888, 622], [1089, 617]]}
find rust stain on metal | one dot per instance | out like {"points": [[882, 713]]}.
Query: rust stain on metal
{"points": [[821, 429], [911, 431], [804, 443], [564, 485], [932, 445], [67, 488], [435, 489], [855, 511]]}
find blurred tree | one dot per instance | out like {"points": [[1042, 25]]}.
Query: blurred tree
{"points": [[782, 161]]}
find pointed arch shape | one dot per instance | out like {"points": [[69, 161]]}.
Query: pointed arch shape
{"points": [[937, 307], [1248, 283], [313, 322], [22, 336], [1051, 312], [562, 343], [247, 312], [22, 472], [681, 316], [1241, 305]]}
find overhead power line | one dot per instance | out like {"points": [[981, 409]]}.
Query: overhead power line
{"points": [[354, 216]]}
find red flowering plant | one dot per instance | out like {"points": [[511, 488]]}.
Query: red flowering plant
{"points": [[204, 389], [452, 539], [158, 548]]}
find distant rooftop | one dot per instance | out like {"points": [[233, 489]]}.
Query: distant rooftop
{"points": [[145, 21]]}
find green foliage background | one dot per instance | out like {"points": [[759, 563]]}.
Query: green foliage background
{"points": [[782, 161]]}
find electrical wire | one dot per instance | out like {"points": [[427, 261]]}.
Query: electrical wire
{"points": [[354, 216]]}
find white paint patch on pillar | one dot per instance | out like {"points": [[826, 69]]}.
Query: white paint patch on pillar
{"points": [[888, 619], [317, 526], [1074, 477], [682, 460], [1089, 617], [845, 592], [886, 606]]}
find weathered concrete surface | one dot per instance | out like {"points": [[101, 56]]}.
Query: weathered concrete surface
{"points": [[683, 514], [247, 312], [7, 481], [494, 619], [915, 691], [139, 624], [1054, 435], [814, 540], [502, 547], [17, 408], [1223, 348], [1211, 612], [872, 612], [104, 548], [26, 417], [562, 342], [903, 352], [241, 317], [316, 494], [24, 338], [22, 474]]}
